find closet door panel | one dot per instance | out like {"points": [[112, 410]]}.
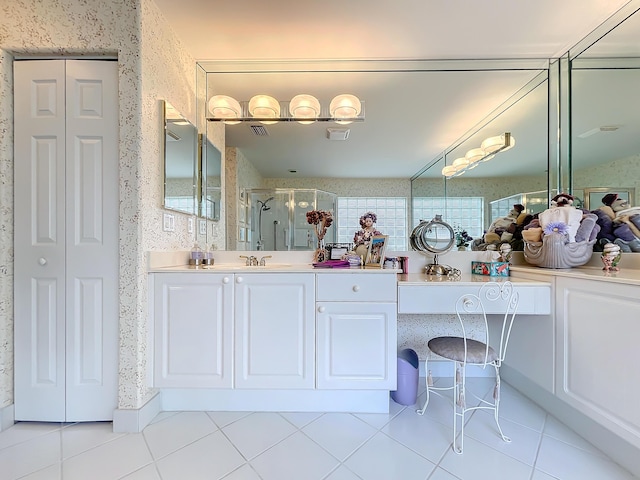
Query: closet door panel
{"points": [[92, 202], [39, 246]]}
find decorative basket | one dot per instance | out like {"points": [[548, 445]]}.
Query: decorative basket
{"points": [[555, 252]]}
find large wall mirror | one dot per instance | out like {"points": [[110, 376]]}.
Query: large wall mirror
{"points": [[605, 116], [472, 200]]}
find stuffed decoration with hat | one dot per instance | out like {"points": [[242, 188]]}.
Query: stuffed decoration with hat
{"points": [[619, 223], [503, 229], [562, 211]]}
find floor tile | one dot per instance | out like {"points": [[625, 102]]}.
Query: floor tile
{"points": [[222, 419], [421, 434], [25, 431], [177, 431], [300, 419], [80, 437], [567, 462], [245, 472], [296, 458], [494, 464], [150, 472], [255, 433], [379, 420], [524, 441], [383, 458], [339, 433], [114, 459], [28, 457], [210, 458], [554, 428], [343, 473], [441, 474], [52, 472]]}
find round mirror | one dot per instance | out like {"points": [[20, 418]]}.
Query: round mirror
{"points": [[433, 236], [436, 237]]}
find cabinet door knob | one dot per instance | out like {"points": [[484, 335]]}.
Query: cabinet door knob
{"points": [[321, 309], [239, 280], [356, 288], [42, 261], [225, 280]]}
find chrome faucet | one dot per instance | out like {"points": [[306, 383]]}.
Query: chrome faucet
{"points": [[263, 260], [250, 261]]}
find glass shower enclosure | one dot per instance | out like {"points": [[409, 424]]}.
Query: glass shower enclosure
{"points": [[278, 218]]}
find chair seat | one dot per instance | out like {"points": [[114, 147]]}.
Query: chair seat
{"points": [[453, 349]]}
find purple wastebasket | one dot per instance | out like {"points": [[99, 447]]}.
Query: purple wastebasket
{"points": [[407, 390]]}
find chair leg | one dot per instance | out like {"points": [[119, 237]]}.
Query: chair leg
{"points": [[496, 400], [421, 411], [459, 406]]}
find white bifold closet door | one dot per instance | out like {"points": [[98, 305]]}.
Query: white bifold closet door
{"points": [[66, 240]]}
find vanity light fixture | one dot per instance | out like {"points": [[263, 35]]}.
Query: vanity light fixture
{"points": [[303, 108], [475, 156], [306, 107], [264, 107]]}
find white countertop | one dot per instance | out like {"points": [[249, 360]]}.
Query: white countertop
{"points": [[273, 268], [465, 278], [627, 276]]}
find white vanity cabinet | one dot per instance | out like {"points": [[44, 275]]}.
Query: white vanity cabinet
{"points": [[356, 329], [597, 337], [274, 330], [193, 330]]}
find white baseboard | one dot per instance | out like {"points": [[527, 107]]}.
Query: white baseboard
{"points": [[7, 417], [134, 420]]}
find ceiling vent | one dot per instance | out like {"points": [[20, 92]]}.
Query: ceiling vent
{"points": [[172, 136], [259, 130], [338, 134]]}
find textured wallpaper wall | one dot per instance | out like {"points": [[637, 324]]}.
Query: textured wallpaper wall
{"points": [[134, 32]]}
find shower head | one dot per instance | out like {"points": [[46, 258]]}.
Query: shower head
{"points": [[263, 205]]}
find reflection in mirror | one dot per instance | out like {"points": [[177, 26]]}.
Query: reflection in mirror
{"points": [[211, 198], [605, 128], [181, 142], [474, 200]]}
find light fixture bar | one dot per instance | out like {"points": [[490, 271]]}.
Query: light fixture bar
{"points": [[285, 115], [489, 148]]}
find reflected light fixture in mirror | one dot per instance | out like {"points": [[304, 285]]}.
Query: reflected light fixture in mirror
{"points": [[304, 106], [264, 106], [225, 107], [344, 106], [473, 157]]}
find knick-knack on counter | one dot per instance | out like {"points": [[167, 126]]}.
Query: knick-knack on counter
{"points": [[611, 257], [321, 221]]}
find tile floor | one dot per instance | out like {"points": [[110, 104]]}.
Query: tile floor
{"points": [[400, 445]]}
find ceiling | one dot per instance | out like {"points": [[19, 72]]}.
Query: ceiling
{"points": [[414, 109]]}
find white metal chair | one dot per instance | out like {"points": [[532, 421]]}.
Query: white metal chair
{"points": [[493, 298]]}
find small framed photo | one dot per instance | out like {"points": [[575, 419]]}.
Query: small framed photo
{"points": [[241, 234], [375, 254], [593, 196]]}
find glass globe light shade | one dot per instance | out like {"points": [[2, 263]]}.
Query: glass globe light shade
{"points": [[475, 155], [264, 106], [448, 171], [460, 163], [223, 106], [304, 106], [493, 144], [345, 106]]}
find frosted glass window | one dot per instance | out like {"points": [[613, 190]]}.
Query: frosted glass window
{"points": [[466, 213], [391, 213]]}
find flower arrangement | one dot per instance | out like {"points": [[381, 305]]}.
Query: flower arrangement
{"points": [[556, 227], [321, 221], [462, 237]]}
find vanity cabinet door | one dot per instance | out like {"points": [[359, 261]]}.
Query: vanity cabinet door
{"points": [[193, 321], [357, 345], [275, 330]]}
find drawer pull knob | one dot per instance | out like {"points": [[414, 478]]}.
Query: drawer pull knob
{"points": [[239, 280], [356, 288], [225, 280], [42, 261], [321, 309]]}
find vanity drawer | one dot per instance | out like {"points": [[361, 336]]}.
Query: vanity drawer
{"points": [[357, 287], [437, 299]]}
